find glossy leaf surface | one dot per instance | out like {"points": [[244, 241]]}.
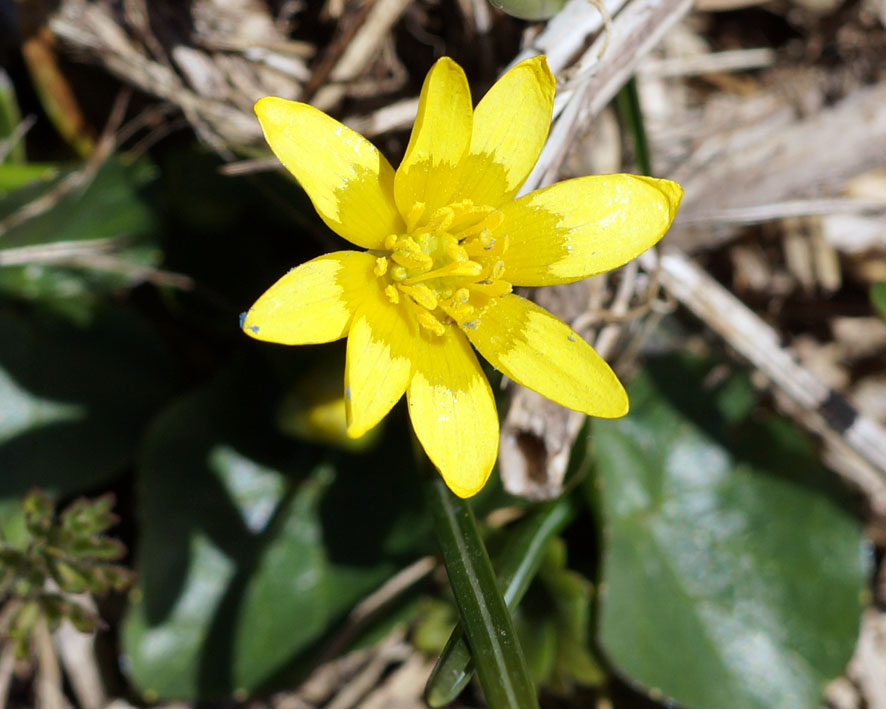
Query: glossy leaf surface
{"points": [[253, 547], [733, 569]]}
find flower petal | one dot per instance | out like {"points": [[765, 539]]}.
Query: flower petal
{"points": [[314, 302], [535, 349], [378, 364], [453, 411], [511, 124], [440, 137], [349, 181], [585, 226]]}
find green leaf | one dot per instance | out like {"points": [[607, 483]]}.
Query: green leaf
{"points": [[530, 9], [10, 117], [567, 606], [554, 624], [733, 568], [70, 578], [112, 210], [253, 547], [631, 114], [85, 518], [12, 523], [15, 175], [74, 396], [110, 205], [38, 513], [97, 548], [22, 621], [878, 298]]}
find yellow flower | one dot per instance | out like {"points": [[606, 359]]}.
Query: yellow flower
{"points": [[445, 242]]}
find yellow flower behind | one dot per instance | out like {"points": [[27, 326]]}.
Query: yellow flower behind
{"points": [[445, 243]]}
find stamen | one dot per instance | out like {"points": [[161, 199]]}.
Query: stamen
{"points": [[468, 269], [428, 321], [413, 259], [460, 312], [486, 246], [455, 252], [393, 294], [447, 265], [421, 294]]}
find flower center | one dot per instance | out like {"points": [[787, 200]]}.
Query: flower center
{"points": [[445, 267]]}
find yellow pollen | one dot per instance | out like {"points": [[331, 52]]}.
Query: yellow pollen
{"points": [[393, 294], [458, 312], [413, 261], [421, 294], [428, 321], [455, 252], [444, 263]]}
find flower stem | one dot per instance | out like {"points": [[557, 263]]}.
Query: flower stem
{"points": [[515, 567], [628, 100], [498, 658]]}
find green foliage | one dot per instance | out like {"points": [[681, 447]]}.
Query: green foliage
{"points": [[554, 623], [530, 9], [15, 175], [10, 118], [106, 223], [75, 395], [497, 655], [108, 205], [878, 298], [733, 569], [516, 564], [71, 551], [253, 546]]}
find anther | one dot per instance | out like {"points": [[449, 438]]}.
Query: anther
{"points": [[428, 321], [421, 294]]}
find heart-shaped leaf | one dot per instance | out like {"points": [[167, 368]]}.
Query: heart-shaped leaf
{"points": [[253, 548], [733, 568]]}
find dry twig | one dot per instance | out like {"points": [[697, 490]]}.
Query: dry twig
{"points": [[537, 436], [79, 179], [365, 43]]}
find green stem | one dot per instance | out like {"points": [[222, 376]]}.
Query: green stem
{"points": [[628, 101], [516, 567], [501, 667]]}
